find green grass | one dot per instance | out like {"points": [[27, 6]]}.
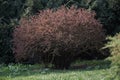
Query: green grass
{"points": [[94, 70]]}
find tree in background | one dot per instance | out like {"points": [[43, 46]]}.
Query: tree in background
{"points": [[115, 8]]}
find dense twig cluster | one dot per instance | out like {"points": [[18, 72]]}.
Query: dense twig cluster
{"points": [[57, 36]]}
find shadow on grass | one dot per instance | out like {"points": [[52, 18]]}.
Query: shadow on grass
{"points": [[93, 65]]}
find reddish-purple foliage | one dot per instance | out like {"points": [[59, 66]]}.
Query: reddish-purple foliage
{"points": [[57, 36]]}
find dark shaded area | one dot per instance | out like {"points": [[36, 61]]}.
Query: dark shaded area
{"points": [[10, 13]]}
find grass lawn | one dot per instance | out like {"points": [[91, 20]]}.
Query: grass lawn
{"points": [[86, 70]]}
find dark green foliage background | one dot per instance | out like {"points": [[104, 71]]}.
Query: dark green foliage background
{"points": [[10, 13], [6, 54]]}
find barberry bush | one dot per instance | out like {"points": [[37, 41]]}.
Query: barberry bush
{"points": [[57, 36]]}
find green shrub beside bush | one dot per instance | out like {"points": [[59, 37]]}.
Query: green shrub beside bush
{"points": [[114, 46]]}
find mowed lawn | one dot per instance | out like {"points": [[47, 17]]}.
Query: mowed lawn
{"points": [[88, 70]]}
